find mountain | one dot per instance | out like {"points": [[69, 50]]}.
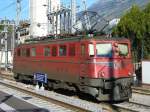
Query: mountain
{"points": [[115, 8], [111, 9]]}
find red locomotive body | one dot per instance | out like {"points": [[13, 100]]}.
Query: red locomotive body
{"points": [[100, 67]]}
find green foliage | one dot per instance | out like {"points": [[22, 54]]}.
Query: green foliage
{"points": [[9, 28], [135, 25], [1, 28]]}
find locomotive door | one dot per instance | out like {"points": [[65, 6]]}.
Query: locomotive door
{"points": [[83, 57]]}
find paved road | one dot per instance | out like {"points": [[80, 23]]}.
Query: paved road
{"points": [[9, 103]]}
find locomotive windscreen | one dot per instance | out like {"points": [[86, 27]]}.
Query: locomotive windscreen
{"points": [[123, 49], [104, 50]]}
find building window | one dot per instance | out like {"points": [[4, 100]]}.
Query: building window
{"points": [[28, 52], [62, 50], [46, 51], [71, 50], [33, 51], [83, 50], [54, 51], [18, 52]]}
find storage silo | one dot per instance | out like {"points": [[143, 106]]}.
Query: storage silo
{"points": [[38, 16]]}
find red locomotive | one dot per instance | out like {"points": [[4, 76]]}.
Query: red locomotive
{"points": [[101, 67]]}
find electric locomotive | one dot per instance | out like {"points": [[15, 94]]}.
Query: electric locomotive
{"points": [[99, 66]]}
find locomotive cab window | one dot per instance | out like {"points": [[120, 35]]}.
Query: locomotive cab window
{"points": [[33, 51], [123, 49], [47, 51], [62, 50], [104, 50], [91, 50]]}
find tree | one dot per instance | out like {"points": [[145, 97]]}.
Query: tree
{"points": [[147, 33], [135, 25]]}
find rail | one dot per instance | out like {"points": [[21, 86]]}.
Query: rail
{"points": [[75, 103], [62, 100]]}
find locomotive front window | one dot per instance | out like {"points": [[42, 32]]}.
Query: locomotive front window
{"points": [[123, 49], [104, 50]]}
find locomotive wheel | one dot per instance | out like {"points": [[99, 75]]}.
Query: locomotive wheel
{"points": [[116, 93], [20, 78], [16, 76], [50, 85]]}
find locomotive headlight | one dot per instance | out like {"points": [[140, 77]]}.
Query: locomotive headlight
{"points": [[101, 74], [130, 74]]}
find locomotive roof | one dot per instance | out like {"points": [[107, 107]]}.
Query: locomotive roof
{"points": [[75, 38]]}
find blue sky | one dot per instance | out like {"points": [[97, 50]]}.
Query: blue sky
{"points": [[8, 8]]}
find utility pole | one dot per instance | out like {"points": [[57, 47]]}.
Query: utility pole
{"points": [[73, 15], [18, 18], [4, 43], [49, 10], [87, 20], [13, 39], [6, 48]]}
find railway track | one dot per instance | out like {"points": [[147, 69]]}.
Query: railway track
{"points": [[132, 107], [138, 90], [141, 90], [73, 103]]}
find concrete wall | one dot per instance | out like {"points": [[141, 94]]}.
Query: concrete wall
{"points": [[146, 72], [2, 58]]}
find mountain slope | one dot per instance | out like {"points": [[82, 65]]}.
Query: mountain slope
{"points": [[115, 8]]}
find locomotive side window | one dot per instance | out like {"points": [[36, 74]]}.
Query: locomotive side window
{"points": [[33, 51], [72, 50], [91, 50], [23, 52], [28, 52], [104, 50], [54, 51], [47, 51], [123, 49], [83, 50], [62, 50], [18, 52]]}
